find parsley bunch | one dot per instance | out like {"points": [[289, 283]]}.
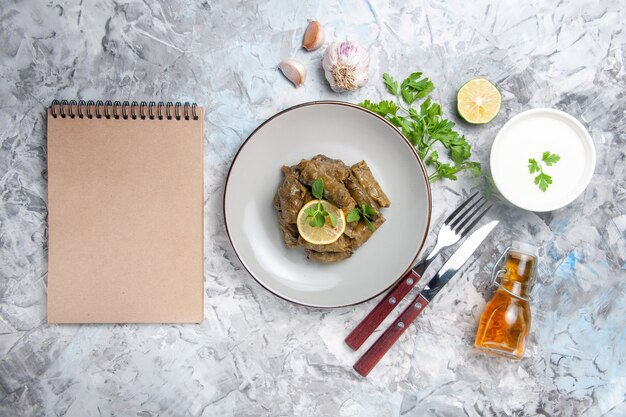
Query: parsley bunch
{"points": [[425, 127]]}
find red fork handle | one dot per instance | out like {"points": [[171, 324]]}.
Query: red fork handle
{"points": [[374, 354], [371, 322]]}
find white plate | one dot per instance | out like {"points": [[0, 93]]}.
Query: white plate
{"points": [[337, 130], [528, 135]]}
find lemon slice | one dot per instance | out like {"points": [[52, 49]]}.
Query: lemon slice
{"points": [[478, 101], [325, 234]]}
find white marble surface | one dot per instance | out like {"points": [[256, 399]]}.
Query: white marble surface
{"points": [[256, 354]]}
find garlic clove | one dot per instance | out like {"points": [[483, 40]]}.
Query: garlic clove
{"points": [[293, 71], [314, 36], [346, 66]]}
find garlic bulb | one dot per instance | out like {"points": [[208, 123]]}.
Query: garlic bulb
{"points": [[346, 66], [313, 36], [293, 71]]}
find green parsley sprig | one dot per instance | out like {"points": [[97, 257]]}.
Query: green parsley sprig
{"points": [[317, 213], [543, 180], [365, 212], [424, 126]]}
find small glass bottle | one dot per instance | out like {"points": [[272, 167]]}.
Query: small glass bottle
{"points": [[505, 323]]}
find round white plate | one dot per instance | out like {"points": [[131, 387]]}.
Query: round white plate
{"points": [[529, 135], [337, 130]]}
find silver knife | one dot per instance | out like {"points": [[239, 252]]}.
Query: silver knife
{"points": [[374, 354]]}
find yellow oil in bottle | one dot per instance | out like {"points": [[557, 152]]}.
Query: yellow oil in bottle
{"points": [[505, 323]]}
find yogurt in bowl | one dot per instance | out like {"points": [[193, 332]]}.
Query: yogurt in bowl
{"points": [[528, 136]]}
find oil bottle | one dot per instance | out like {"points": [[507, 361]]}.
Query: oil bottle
{"points": [[505, 324]]}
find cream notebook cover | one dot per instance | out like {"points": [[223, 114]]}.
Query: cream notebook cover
{"points": [[125, 212]]}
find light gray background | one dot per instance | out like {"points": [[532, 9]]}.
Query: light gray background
{"points": [[256, 354]]}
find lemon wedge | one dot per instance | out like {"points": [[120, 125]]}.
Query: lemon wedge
{"points": [[327, 233], [478, 101]]}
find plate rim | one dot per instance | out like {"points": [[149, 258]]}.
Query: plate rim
{"points": [[587, 139], [354, 106]]}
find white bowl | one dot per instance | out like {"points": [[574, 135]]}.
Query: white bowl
{"points": [[529, 135], [350, 133]]}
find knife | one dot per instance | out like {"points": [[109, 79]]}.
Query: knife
{"points": [[375, 353]]}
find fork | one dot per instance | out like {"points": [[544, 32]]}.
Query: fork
{"points": [[455, 227]]}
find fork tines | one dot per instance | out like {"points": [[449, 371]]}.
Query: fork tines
{"points": [[467, 212]]}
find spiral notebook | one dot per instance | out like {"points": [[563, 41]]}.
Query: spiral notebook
{"points": [[125, 212]]}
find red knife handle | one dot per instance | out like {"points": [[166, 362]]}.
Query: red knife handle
{"points": [[371, 322], [374, 354]]}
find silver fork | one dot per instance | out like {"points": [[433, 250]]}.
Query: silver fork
{"points": [[456, 226]]}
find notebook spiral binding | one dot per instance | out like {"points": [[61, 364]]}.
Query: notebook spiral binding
{"points": [[123, 110]]}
